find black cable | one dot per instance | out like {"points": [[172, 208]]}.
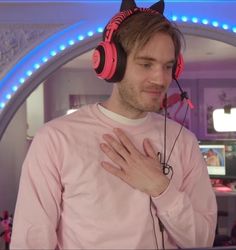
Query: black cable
{"points": [[161, 226], [165, 167], [182, 125], [165, 126], [153, 221]]}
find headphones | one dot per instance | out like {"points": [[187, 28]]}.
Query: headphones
{"points": [[109, 58]]}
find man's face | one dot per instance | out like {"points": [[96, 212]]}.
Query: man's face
{"points": [[148, 75]]}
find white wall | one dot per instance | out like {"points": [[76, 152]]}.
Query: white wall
{"points": [[13, 147], [65, 82], [35, 111]]}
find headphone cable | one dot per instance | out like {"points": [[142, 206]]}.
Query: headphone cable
{"points": [[169, 168], [181, 128]]}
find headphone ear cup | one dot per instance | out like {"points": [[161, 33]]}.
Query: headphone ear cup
{"points": [[178, 67], [120, 66], [104, 60], [109, 61]]}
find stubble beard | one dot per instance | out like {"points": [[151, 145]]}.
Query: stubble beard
{"points": [[130, 100]]}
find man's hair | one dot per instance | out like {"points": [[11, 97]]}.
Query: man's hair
{"points": [[138, 29]]}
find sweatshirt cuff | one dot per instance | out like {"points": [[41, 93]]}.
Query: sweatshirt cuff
{"points": [[166, 200]]}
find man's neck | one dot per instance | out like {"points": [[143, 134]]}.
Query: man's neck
{"points": [[126, 112], [120, 118]]}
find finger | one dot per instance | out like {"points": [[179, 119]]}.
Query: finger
{"points": [[114, 156], [118, 147], [125, 141], [149, 149], [113, 170]]}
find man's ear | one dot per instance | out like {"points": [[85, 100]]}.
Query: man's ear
{"points": [[159, 7], [127, 5]]}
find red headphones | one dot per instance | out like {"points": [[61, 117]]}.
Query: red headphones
{"points": [[109, 58]]}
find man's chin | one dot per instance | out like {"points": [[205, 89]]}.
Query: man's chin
{"points": [[151, 108]]}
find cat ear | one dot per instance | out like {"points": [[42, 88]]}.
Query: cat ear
{"points": [[159, 7], [127, 5]]}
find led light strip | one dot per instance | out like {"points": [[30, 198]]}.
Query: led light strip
{"points": [[203, 21], [32, 64]]}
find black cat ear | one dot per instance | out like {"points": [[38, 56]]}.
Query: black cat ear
{"points": [[159, 7], [127, 5]]}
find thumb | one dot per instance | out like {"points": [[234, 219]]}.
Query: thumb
{"points": [[148, 149]]}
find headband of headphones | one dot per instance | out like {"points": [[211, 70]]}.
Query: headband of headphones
{"points": [[109, 58], [127, 9]]}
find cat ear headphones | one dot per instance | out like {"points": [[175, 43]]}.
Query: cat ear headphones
{"points": [[109, 58]]}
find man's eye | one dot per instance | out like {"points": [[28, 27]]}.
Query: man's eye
{"points": [[146, 65], [169, 67]]}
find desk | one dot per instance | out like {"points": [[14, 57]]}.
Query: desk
{"points": [[226, 202]]}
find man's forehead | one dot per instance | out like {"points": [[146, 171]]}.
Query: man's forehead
{"points": [[148, 55]]}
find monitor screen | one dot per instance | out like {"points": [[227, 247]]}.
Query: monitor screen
{"points": [[220, 158], [214, 155]]}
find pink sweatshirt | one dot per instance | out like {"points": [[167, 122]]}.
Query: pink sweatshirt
{"points": [[67, 200]]}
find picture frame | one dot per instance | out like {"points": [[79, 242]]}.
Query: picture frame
{"points": [[76, 101], [215, 96]]}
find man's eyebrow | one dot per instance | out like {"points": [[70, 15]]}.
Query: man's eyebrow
{"points": [[145, 58], [151, 59]]}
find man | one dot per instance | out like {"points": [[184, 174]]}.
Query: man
{"points": [[94, 179]]}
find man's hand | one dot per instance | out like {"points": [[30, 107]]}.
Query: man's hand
{"points": [[140, 171]]}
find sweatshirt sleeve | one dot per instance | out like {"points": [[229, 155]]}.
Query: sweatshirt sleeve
{"points": [[37, 211], [189, 213]]}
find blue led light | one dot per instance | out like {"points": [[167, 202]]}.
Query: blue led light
{"points": [[29, 73], [90, 33], [2, 105], [100, 30], [14, 88], [80, 38], [22, 80], [194, 20], [44, 59], [205, 21], [215, 24], [53, 53], [184, 18], [234, 29], [225, 26], [8, 96], [36, 65], [62, 47], [71, 42], [174, 18]]}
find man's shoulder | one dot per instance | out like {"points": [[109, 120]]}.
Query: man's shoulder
{"points": [[172, 125], [67, 122], [77, 116]]}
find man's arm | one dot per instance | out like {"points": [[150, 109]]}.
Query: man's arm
{"points": [[38, 203], [188, 215]]}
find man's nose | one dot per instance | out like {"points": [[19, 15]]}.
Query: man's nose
{"points": [[159, 77]]}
